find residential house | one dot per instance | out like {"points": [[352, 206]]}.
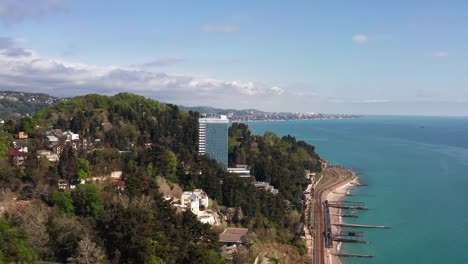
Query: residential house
{"points": [[22, 135], [266, 186], [51, 141], [202, 196], [62, 184], [194, 204], [206, 217], [234, 237], [194, 200], [16, 157], [242, 171], [70, 136], [117, 175], [119, 185], [20, 146]]}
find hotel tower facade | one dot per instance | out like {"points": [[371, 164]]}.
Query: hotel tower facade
{"points": [[213, 138]]}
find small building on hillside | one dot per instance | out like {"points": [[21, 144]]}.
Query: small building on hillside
{"points": [[20, 146], [194, 204], [232, 236], [266, 186], [16, 157], [62, 184], [242, 171], [309, 175], [207, 217], [116, 175], [119, 185], [324, 164], [194, 200], [70, 136], [51, 141], [22, 135]]}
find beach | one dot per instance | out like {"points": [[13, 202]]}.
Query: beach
{"points": [[334, 194]]}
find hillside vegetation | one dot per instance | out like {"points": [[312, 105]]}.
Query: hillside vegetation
{"points": [[145, 140], [17, 104]]}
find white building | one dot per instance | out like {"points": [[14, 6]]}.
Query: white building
{"points": [[194, 204], [51, 140], [193, 200], [206, 218], [242, 172], [70, 136], [202, 196]]}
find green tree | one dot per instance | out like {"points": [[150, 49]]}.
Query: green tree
{"points": [[169, 164], [64, 201], [28, 124], [65, 233], [87, 199], [67, 163], [14, 245], [83, 169], [5, 142], [212, 257]]}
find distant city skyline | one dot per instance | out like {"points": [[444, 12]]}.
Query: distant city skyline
{"points": [[352, 57]]}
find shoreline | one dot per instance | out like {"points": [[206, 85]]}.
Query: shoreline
{"points": [[337, 194], [285, 120]]}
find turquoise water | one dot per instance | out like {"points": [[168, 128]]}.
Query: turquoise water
{"points": [[417, 172]]}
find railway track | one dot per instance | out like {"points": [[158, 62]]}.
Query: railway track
{"points": [[319, 240]]}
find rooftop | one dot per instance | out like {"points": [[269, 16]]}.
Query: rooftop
{"points": [[233, 235], [15, 152], [221, 119]]}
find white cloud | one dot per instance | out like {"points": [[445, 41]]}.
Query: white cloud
{"points": [[440, 54], [334, 100], [16, 11], [9, 48], [374, 101], [164, 62], [364, 101], [360, 38], [223, 28], [277, 90], [33, 72]]}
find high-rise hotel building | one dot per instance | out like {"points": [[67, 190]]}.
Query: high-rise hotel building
{"points": [[213, 138]]}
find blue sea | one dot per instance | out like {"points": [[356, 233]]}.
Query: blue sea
{"points": [[416, 169]]}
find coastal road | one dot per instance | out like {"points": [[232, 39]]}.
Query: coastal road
{"points": [[319, 240]]}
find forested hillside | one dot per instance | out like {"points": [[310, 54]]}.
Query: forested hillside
{"points": [[17, 104], [144, 139]]}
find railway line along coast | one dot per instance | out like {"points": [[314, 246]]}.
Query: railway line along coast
{"points": [[332, 187]]}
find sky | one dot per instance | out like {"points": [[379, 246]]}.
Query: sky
{"points": [[399, 57]]}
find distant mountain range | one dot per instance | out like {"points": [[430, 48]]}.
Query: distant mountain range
{"points": [[17, 104], [208, 110]]}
